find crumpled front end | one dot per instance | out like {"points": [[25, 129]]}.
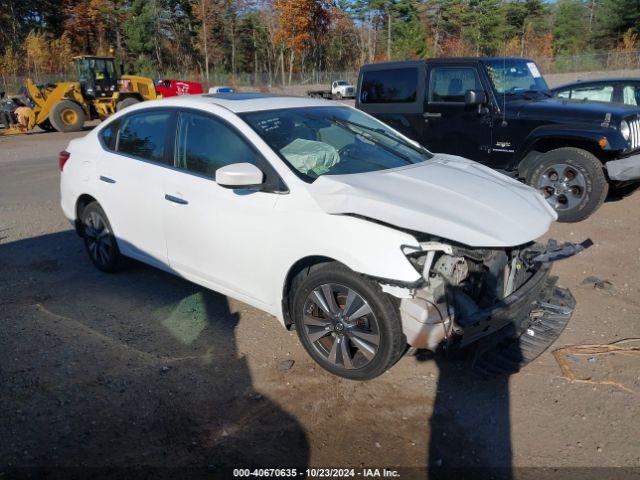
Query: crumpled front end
{"points": [[470, 294]]}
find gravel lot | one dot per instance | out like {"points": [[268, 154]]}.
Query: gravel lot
{"points": [[143, 368]]}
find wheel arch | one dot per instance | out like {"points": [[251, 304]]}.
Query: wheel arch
{"points": [[299, 269], [82, 201], [539, 146]]}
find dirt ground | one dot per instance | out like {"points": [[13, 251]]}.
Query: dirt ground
{"points": [[144, 368]]}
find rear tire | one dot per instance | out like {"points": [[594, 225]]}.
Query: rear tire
{"points": [[67, 116], [573, 182], [127, 102], [361, 337], [99, 241]]}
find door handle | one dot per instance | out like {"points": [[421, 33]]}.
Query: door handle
{"points": [[432, 115], [177, 200], [107, 179]]}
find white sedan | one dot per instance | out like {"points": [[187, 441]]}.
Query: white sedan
{"points": [[344, 229]]}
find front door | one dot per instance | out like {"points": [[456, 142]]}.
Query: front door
{"points": [[217, 236], [451, 126]]}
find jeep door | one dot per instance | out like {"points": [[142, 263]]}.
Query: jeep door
{"points": [[450, 125], [394, 94]]}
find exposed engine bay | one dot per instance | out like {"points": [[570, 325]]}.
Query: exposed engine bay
{"points": [[470, 293]]}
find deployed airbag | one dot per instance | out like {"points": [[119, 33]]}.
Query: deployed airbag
{"points": [[310, 156]]}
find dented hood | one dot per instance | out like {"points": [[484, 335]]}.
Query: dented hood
{"points": [[447, 196]]}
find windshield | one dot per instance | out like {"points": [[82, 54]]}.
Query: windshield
{"points": [[342, 82], [333, 141], [514, 76]]}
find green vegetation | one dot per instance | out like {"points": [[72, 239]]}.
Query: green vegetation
{"points": [[277, 40]]}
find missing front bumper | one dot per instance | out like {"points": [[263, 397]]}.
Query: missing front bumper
{"points": [[507, 351], [533, 306], [429, 325]]}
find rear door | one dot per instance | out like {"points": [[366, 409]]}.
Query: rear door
{"points": [[393, 94], [450, 126], [131, 173]]}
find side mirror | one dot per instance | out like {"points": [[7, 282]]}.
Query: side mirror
{"points": [[475, 97], [239, 175]]}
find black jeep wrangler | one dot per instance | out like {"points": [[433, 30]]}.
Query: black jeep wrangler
{"points": [[498, 111]]}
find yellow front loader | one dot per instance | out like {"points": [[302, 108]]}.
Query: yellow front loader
{"points": [[98, 93]]}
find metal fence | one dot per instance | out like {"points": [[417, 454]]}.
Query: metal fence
{"points": [[588, 62], [299, 82], [263, 80]]}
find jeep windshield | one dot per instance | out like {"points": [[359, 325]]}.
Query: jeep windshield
{"points": [[331, 140], [516, 77]]}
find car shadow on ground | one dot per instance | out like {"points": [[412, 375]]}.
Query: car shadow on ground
{"points": [[470, 427], [138, 368], [620, 193]]}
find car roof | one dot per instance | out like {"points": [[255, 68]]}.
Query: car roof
{"points": [[242, 102], [596, 81]]}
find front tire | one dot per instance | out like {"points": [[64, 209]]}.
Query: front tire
{"points": [[346, 323], [67, 116], [573, 182], [99, 241]]}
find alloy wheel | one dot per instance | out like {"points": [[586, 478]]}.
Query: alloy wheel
{"points": [[563, 186], [98, 238], [341, 326]]}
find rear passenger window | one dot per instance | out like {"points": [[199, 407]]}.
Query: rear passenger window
{"points": [[597, 93], [109, 133], [451, 83], [143, 135], [204, 144], [389, 86]]}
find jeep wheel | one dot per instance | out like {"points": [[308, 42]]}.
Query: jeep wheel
{"points": [[573, 182]]}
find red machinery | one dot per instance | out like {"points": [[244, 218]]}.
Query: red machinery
{"points": [[170, 88]]}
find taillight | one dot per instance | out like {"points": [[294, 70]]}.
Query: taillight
{"points": [[63, 156]]}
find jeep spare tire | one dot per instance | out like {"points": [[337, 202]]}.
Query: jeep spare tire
{"points": [[573, 182], [67, 116]]}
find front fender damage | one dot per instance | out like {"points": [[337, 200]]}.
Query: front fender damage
{"points": [[470, 294]]}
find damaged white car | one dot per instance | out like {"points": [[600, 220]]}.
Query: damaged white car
{"points": [[363, 241]]}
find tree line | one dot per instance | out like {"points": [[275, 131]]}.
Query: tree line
{"points": [[279, 38]]}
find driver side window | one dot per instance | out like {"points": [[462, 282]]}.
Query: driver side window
{"points": [[204, 144], [449, 84]]}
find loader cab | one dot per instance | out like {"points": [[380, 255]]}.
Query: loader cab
{"points": [[97, 76]]}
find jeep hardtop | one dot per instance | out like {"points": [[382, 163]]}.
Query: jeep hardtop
{"points": [[499, 112]]}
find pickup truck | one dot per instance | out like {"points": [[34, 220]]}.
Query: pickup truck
{"points": [[339, 89], [500, 112]]}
